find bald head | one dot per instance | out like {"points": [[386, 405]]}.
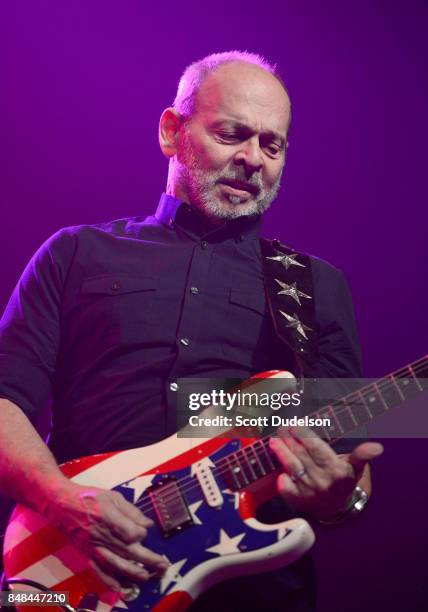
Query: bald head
{"points": [[226, 137], [238, 87], [196, 73]]}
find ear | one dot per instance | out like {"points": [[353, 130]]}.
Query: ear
{"points": [[169, 128]]}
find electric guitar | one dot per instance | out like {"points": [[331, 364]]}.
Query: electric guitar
{"points": [[202, 496]]}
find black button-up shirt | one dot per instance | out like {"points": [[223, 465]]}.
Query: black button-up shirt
{"points": [[107, 317]]}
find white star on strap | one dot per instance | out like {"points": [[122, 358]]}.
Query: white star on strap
{"points": [[292, 291], [294, 322], [172, 574], [287, 260], [227, 545]]}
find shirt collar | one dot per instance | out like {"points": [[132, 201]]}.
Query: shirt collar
{"points": [[175, 213]]}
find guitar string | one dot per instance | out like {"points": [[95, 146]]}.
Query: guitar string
{"points": [[195, 484], [261, 453]]}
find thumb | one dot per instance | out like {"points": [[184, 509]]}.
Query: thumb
{"points": [[364, 453]]}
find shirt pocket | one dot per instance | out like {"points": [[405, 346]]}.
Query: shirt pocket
{"points": [[120, 303], [246, 321]]}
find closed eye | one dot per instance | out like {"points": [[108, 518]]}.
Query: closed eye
{"points": [[227, 136], [273, 149]]}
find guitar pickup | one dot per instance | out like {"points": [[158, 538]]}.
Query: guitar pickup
{"points": [[170, 506]]}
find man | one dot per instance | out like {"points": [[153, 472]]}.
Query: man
{"points": [[107, 317]]}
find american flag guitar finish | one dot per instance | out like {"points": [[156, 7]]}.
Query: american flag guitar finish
{"points": [[202, 496]]}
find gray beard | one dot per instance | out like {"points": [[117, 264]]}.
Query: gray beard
{"points": [[200, 186]]}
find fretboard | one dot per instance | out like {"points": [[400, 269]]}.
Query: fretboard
{"points": [[358, 408]]}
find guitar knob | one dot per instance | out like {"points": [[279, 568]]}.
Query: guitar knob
{"points": [[130, 592]]}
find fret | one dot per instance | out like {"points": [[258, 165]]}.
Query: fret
{"points": [[419, 372], [328, 434], [390, 392], [319, 430], [239, 477], [231, 472], [256, 461], [335, 430], [345, 416], [380, 396], [415, 378], [249, 464], [408, 383], [359, 408], [264, 456], [397, 386], [269, 455], [240, 458], [373, 403], [337, 426]]}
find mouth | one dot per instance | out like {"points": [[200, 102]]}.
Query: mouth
{"points": [[240, 187], [238, 192]]}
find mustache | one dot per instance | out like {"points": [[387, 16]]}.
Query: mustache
{"points": [[233, 179]]}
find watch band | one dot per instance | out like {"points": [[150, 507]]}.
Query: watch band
{"points": [[357, 504]]}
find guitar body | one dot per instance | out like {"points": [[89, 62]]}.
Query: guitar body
{"points": [[207, 531]]}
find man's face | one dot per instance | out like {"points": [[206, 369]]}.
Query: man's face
{"points": [[231, 152]]}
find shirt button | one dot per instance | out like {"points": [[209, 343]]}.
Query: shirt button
{"points": [[185, 341], [204, 244], [194, 290], [116, 286], [173, 386]]}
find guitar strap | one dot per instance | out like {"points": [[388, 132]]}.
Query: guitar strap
{"points": [[290, 295]]}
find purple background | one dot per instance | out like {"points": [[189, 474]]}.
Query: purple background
{"points": [[85, 83]]}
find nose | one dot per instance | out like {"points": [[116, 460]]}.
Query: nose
{"points": [[250, 155]]}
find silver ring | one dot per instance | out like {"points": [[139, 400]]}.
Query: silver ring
{"points": [[298, 475]]}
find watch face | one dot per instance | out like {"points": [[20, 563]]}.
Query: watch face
{"points": [[361, 499]]}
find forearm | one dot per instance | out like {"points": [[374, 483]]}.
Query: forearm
{"points": [[28, 470]]}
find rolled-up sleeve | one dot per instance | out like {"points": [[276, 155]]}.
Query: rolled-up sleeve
{"points": [[30, 326]]}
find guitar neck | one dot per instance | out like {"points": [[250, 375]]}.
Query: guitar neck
{"points": [[256, 461], [370, 401]]}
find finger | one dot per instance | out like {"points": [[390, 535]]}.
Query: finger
{"points": [[287, 488], [133, 513], [121, 526], [147, 557], [301, 454], [112, 563], [291, 464], [364, 453], [108, 521], [320, 452], [322, 464]]}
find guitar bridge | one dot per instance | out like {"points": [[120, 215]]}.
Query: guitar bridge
{"points": [[170, 506]]}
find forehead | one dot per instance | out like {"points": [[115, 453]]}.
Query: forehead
{"points": [[246, 94]]}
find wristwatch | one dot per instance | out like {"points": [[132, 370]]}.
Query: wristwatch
{"points": [[358, 502]]}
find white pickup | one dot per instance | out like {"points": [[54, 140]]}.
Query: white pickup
{"points": [[207, 482]]}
